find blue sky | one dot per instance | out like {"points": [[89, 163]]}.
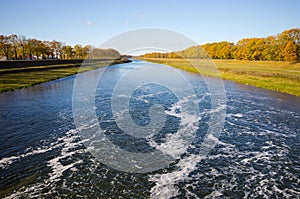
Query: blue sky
{"points": [[93, 22]]}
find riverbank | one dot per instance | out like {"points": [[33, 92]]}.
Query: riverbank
{"points": [[16, 77], [277, 76]]}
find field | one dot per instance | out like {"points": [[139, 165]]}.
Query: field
{"points": [[278, 76], [15, 77]]}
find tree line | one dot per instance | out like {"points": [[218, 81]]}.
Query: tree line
{"points": [[14, 47], [282, 47]]}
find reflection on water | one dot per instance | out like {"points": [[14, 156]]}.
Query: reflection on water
{"points": [[41, 154]]}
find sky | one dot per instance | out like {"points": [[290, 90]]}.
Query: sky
{"points": [[95, 21]]}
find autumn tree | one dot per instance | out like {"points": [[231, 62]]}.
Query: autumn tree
{"points": [[68, 52], [23, 43], [290, 52], [49, 49], [56, 48], [33, 48], [13, 40], [5, 46], [78, 51], [86, 50]]}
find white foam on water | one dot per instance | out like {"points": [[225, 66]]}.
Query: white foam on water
{"points": [[174, 145], [68, 142], [30, 192], [165, 184], [58, 168], [267, 185], [238, 115], [8, 160], [218, 109], [143, 97], [214, 194], [5, 162], [246, 162]]}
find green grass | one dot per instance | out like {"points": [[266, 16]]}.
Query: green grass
{"points": [[277, 76], [15, 78]]}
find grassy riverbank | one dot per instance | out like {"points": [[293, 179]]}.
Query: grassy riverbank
{"points": [[277, 76], [15, 77]]}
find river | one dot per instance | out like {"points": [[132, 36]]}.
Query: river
{"points": [[42, 156]]}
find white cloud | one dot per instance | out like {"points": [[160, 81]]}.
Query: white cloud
{"points": [[90, 23]]}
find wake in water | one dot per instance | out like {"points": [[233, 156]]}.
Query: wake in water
{"points": [[166, 184]]}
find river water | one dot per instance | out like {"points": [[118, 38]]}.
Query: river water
{"points": [[42, 156]]}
